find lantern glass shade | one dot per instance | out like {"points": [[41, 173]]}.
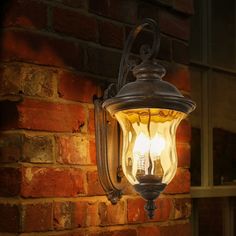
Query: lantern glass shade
{"points": [[149, 146]]}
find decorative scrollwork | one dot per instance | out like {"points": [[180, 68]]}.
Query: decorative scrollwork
{"points": [[147, 52]]}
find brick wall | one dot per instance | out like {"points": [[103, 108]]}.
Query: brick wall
{"points": [[55, 56]]}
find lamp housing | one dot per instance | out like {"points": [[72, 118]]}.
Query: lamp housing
{"points": [[136, 124]]}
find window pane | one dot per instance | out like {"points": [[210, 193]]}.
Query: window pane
{"points": [[223, 107], [196, 94], [222, 43]]}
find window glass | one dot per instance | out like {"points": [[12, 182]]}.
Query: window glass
{"points": [[223, 110]]}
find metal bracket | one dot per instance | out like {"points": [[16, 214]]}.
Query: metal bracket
{"points": [[108, 152]]}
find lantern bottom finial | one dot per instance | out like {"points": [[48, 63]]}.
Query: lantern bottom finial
{"points": [[150, 191]]}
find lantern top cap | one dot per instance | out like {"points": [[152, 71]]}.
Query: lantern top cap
{"points": [[149, 91]]}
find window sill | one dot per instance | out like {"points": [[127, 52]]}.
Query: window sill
{"points": [[214, 191]]}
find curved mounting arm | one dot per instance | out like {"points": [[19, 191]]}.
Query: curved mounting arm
{"points": [[148, 53]]}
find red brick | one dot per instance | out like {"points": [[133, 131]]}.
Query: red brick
{"points": [[29, 80], [137, 213], [85, 214], [40, 115], [135, 210], [72, 150], [37, 149], [112, 214], [180, 52], [92, 151], [40, 49], [185, 6], [77, 87], [62, 215], [183, 134], [181, 209], [75, 3], [94, 185], [91, 122], [51, 182], [111, 35], [75, 24], [103, 62], [174, 25], [180, 183], [183, 152], [124, 232], [146, 10], [26, 13], [179, 76], [115, 9], [10, 181], [180, 229], [150, 230], [37, 217], [10, 147], [10, 218], [8, 114]]}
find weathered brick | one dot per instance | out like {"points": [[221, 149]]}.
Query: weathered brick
{"points": [[112, 214], [40, 49], [183, 153], [72, 150], [180, 52], [185, 6], [92, 151], [115, 9], [137, 213], [64, 21], [77, 87], [103, 62], [28, 80], [91, 120], [146, 10], [10, 180], [10, 218], [20, 13], [94, 185], [37, 217], [165, 49], [181, 209], [149, 230], [51, 182], [10, 147], [183, 134], [111, 35], [40, 115], [178, 229], [179, 76], [8, 114], [38, 149], [75, 3], [62, 215], [85, 214], [122, 232], [174, 25], [180, 183]]}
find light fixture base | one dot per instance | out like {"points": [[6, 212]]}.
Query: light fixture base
{"points": [[150, 191]]}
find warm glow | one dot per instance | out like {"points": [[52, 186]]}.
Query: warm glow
{"points": [[143, 145], [149, 149]]}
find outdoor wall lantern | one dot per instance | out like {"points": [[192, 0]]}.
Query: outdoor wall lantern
{"points": [[148, 111]]}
